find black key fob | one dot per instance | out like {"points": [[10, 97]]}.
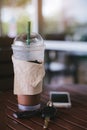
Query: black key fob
{"points": [[49, 111], [26, 114]]}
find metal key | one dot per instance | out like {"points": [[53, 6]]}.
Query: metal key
{"points": [[48, 113], [46, 121]]}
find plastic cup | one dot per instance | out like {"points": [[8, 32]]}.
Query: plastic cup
{"points": [[29, 52]]}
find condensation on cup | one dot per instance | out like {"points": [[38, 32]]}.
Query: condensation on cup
{"points": [[32, 52]]}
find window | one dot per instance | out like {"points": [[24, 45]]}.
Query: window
{"points": [[55, 19], [14, 16], [64, 19]]}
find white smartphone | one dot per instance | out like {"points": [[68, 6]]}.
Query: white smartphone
{"points": [[60, 99]]}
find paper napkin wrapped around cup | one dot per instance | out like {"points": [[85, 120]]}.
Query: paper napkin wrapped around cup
{"points": [[28, 77]]}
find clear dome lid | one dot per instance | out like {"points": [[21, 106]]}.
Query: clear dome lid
{"points": [[35, 39]]}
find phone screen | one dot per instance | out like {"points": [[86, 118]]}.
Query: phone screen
{"points": [[61, 98]]}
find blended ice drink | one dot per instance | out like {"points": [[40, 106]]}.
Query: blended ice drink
{"points": [[28, 62]]}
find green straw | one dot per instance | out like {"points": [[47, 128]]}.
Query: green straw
{"points": [[28, 33]]}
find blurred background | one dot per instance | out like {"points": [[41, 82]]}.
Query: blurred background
{"points": [[55, 20]]}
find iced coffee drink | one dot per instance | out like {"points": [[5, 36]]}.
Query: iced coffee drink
{"points": [[28, 63]]}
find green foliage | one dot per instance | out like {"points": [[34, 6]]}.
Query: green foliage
{"points": [[22, 23], [5, 28], [15, 2]]}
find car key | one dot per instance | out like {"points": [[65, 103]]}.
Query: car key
{"points": [[26, 114], [48, 113]]}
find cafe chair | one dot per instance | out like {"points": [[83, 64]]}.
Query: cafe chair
{"points": [[56, 65], [6, 67]]}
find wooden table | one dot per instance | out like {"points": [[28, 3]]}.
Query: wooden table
{"points": [[74, 118], [67, 46]]}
